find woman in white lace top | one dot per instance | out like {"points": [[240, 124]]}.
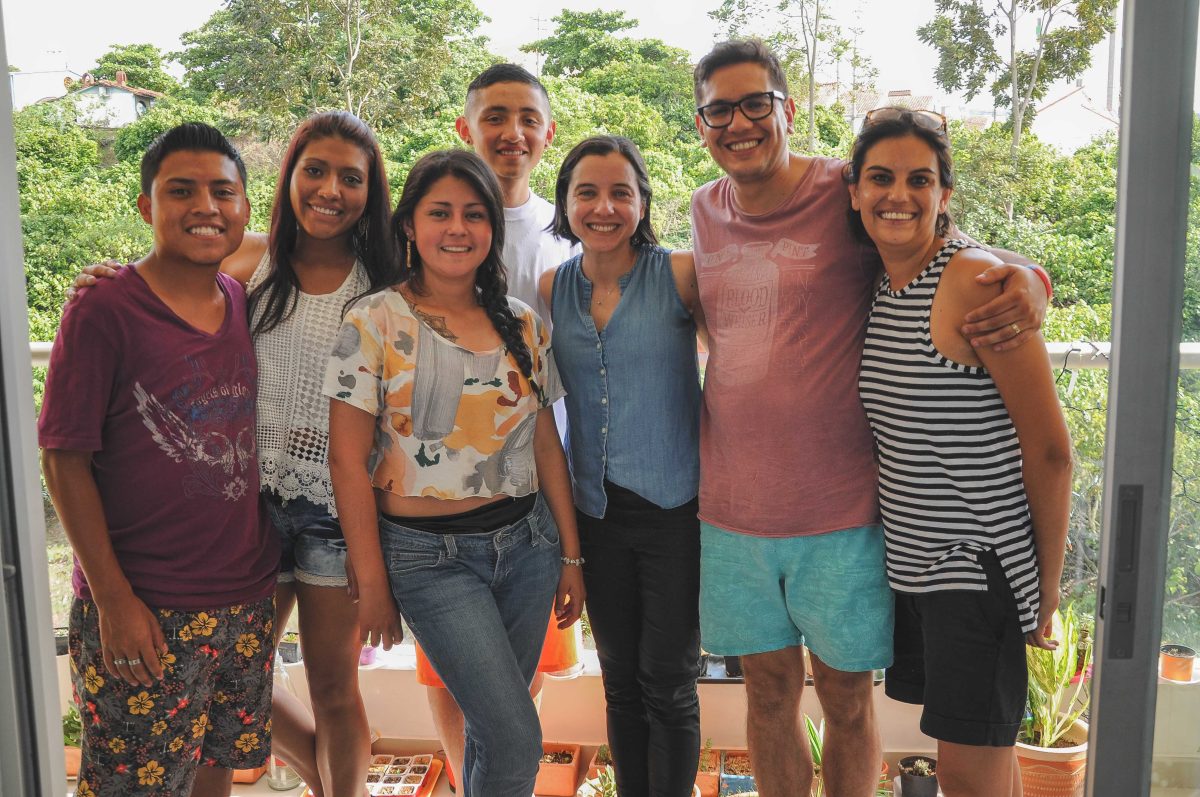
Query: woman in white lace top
{"points": [[329, 242]]}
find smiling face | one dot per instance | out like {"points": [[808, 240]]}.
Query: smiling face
{"points": [[748, 151], [451, 230], [509, 126], [197, 207], [604, 205], [899, 194], [328, 187]]}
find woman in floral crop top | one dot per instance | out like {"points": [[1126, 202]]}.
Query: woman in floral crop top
{"points": [[447, 469]]}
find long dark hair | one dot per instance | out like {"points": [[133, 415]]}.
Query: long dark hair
{"points": [[491, 282], [903, 123], [603, 145], [370, 238]]}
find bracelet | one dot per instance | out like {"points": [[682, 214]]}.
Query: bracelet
{"points": [[566, 560], [1044, 276]]}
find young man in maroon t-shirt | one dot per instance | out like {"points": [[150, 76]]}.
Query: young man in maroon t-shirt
{"points": [[147, 431]]}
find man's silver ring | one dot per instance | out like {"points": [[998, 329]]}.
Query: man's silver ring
{"points": [[133, 662], [119, 662], [1016, 329]]}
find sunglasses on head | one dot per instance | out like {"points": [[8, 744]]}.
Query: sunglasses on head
{"points": [[930, 120]]}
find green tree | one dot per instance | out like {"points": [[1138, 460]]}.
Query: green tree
{"points": [[133, 139], [281, 60], [582, 40], [142, 65], [47, 137], [584, 44], [978, 48]]}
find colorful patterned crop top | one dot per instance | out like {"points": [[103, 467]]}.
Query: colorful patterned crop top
{"points": [[452, 423]]}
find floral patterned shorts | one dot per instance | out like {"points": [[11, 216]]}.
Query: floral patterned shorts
{"points": [[212, 707]]}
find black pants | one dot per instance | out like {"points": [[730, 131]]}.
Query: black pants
{"points": [[643, 586]]}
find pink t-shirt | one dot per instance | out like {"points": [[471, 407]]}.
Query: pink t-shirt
{"points": [[784, 445], [168, 411]]}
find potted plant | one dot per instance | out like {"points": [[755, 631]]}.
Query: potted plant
{"points": [[289, 647], [1177, 662], [708, 772], [737, 775], [605, 785], [1052, 743], [601, 760], [558, 771], [918, 776], [72, 728]]}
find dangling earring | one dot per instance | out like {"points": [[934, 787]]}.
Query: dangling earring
{"points": [[364, 224], [408, 258]]}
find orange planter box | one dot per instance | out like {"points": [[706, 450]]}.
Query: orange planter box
{"points": [[73, 757], [709, 782], [249, 775], [596, 767], [558, 780]]}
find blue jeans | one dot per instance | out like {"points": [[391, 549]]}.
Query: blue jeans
{"points": [[479, 606]]}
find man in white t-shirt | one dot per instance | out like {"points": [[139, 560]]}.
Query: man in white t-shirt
{"points": [[507, 122]]}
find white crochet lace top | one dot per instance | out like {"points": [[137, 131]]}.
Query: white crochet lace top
{"points": [[293, 413]]}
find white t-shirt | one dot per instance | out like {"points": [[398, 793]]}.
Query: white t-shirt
{"points": [[529, 250]]}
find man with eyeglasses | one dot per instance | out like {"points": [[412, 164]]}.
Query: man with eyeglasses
{"points": [[792, 551]]}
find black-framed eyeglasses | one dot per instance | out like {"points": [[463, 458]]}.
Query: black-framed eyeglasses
{"points": [[754, 107], [930, 120]]}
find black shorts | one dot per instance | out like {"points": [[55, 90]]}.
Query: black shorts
{"points": [[961, 654]]}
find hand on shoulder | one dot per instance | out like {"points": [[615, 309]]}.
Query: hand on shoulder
{"points": [[958, 278]]}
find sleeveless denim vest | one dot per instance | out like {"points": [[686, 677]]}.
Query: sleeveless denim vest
{"points": [[633, 390]]}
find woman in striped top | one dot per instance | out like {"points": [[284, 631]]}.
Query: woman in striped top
{"points": [[974, 463]]}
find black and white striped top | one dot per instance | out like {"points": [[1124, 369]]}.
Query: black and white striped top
{"points": [[950, 481]]}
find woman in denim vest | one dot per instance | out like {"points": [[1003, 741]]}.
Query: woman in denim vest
{"points": [[625, 343]]}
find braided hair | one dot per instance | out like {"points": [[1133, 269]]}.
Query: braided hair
{"points": [[491, 282]]}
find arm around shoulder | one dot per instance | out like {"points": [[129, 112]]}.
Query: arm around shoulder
{"points": [[242, 263]]}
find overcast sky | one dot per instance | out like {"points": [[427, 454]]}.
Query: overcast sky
{"points": [[70, 34]]}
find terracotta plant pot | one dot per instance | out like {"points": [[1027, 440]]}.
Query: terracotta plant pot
{"points": [[249, 775], [596, 766], [1055, 772], [73, 756], [913, 785], [1177, 662], [708, 776], [558, 780]]}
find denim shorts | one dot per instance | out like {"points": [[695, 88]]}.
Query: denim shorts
{"points": [[827, 591], [312, 546]]}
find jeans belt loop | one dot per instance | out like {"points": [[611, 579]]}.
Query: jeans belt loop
{"points": [[451, 546]]}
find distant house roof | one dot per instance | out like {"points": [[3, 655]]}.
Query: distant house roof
{"points": [[119, 83]]}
